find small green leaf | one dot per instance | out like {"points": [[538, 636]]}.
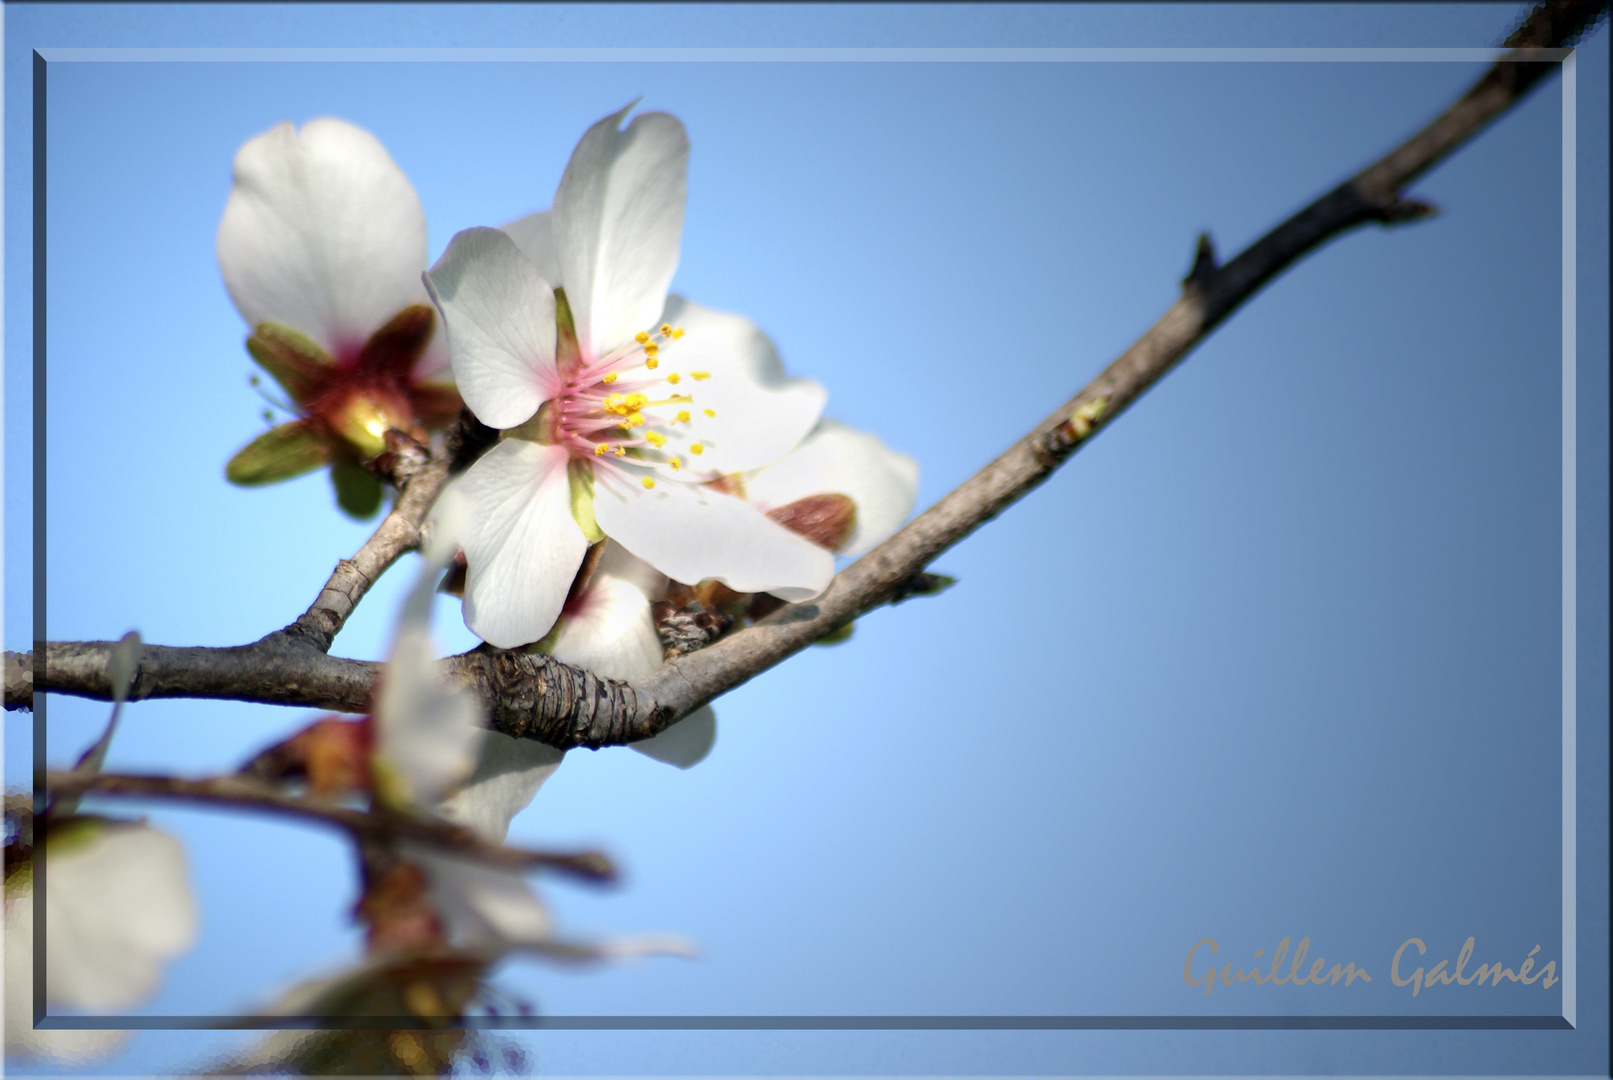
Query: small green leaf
{"points": [[278, 454], [295, 360], [581, 475], [357, 492]]}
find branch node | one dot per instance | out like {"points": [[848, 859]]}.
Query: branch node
{"points": [[1204, 265], [1398, 210]]}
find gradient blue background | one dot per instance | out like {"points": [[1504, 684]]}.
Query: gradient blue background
{"points": [[1277, 655]]}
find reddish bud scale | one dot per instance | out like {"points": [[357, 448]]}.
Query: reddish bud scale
{"points": [[826, 520]]}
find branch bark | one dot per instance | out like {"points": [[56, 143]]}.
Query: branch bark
{"points": [[537, 697]]}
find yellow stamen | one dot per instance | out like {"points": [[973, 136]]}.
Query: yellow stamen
{"points": [[676, 464], [610, 377], [619, 450], [710, 412], [655, 438], [641, 337], [676, 334], [647, 482], [684, 416], [634, 420], [674, 378], [651, 349], [696, 448], [666, 328], [652, 363], [601, 449], [699, 376]]}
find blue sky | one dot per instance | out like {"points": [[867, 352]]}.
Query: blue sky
{"points": [[1279, 654]]}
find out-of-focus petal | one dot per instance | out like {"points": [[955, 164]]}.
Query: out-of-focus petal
{"points": [[610, 632], [522, 545], [322, 233], [691, 533], [838, 459], [534, 235], [761, 414], [505, 782], [499, 313], [22, 1039], [686, 743], [618, 224], [428, 735], [118, 904], [483, 906]]}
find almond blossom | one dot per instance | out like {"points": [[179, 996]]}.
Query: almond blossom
{"points": [[321, 246], [618, 403]]}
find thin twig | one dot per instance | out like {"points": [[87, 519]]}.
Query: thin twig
{"points": [[378, 824], [537, 697]]}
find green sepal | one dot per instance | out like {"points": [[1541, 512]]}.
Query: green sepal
{"points": [[280, 453], [836, 636], [294, 360], [358, 493], [581, 475], [566, 350]]}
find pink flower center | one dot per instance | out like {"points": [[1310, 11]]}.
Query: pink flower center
{"points": [[630, 415]]}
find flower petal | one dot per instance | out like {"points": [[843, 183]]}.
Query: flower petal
{"points": [[483, 906], [691, 533], [761, 414], [322, 232], [686, 743], [618, 223], [534, 235], [522, 546], [608, 629], [498, 312], [428, 735], [506, 781], [839, 459], [118, 904], [23, 1040]]}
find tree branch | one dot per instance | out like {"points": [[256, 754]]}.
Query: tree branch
{"points": [[538, 697], [245, 794]]}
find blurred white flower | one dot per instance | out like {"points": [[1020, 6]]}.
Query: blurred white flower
{"points": [[118, 906], [619, 403], [321, 245], [22, 1039]]}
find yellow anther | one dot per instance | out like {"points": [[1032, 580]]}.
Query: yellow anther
{"points": [[652, 363], [655, 438], [676, 464], [699, 376], [666, 328], [696, 448], [610, 377], [619, 450], [601, 449], [710, 412], [636, 400], [674, 378], [634, 420], [651, 349], [684, 416], [676, 334], [647, 482], [641, 337]]}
